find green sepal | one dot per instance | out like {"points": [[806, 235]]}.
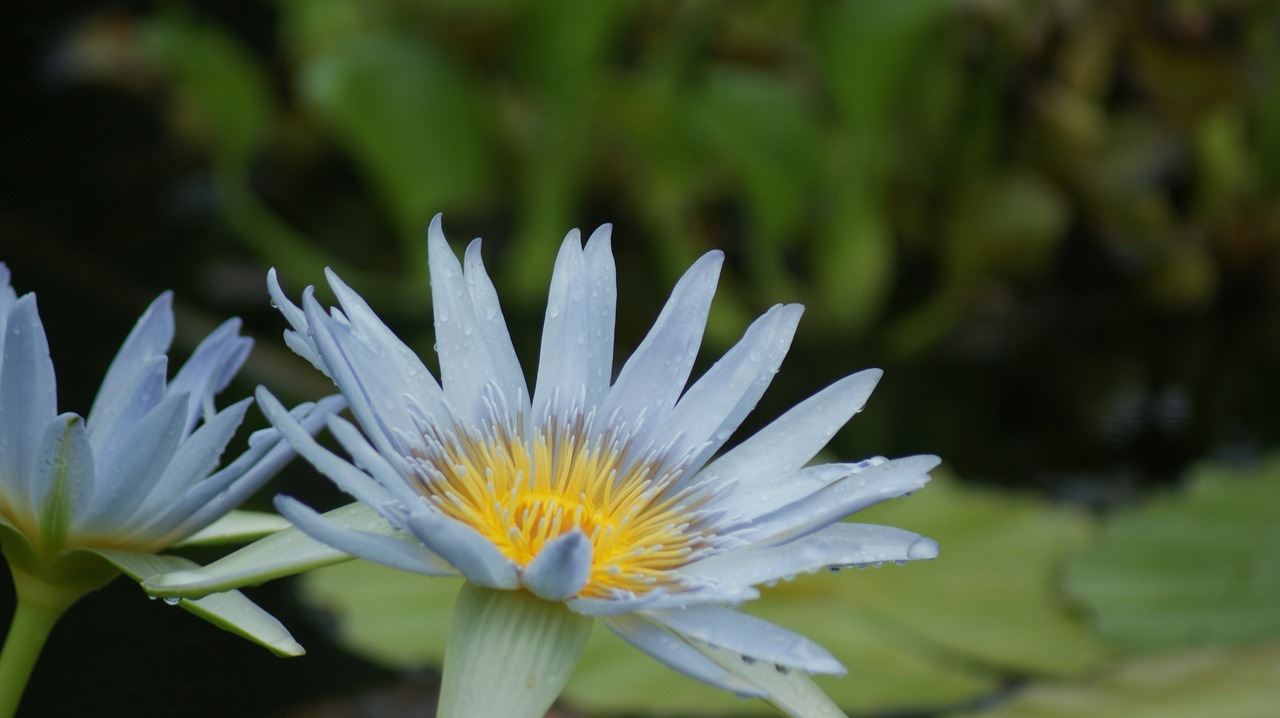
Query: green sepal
{"points": [[509, 654], [70, 571], [237, 527], [232, 611], [283, 553], [790, 691]]}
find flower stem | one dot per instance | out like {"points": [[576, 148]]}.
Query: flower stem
{"points": [[40, 605], [509, 654]]}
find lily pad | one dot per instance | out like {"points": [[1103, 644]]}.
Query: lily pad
{"points": [[1204, 682], [925, 634], [1193, 567]]}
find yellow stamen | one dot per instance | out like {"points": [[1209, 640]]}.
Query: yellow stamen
{"points": [[522, 494]]}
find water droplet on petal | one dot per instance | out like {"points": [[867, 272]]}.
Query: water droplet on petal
{"points": [[923, 549]]}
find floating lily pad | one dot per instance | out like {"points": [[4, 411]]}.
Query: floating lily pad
{"points": [[1204, 682], [1193, 567], [916, 635]]}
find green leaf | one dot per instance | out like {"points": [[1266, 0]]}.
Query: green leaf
{"points": [[922, 634], [774, 153], [409, 117], [237, 527], [1199, 566], [218, 83], [232, 611], [281, 554], [1205, 682]]}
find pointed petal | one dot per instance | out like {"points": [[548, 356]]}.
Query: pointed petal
{"points": [[792, 439], [653, 377], [465, 548], [132, 469], [850, 495], [229, 486], [112, 420], [493, 327], [836, 546], [475, 351], [149, 339], [195, 458], [561, 569], [62, 482], [368, 459], [563, 369], [509, 654], [375, 372], [717, 403], [28, 396], [396, 551], [678, 655], [298, 336], [749, 636], [347, 477], [602, 307], [212, 366], [660, 601]]}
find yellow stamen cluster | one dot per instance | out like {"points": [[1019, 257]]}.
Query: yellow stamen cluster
{"points": [[522, 494]]}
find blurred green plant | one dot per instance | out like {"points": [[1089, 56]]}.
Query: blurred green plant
{"points": [[840, 145]]}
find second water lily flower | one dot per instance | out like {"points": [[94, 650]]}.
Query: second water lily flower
{"points": [[83, 500], [588, 499]]}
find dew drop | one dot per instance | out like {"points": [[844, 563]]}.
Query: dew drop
{"points": [[172, 600]]}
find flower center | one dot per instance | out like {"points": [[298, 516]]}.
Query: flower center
{"points": [[522, 494]]}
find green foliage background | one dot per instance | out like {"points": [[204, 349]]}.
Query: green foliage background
{"points": [[1054, 224]]}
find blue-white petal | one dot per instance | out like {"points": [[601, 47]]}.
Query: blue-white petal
{"points": [[790, 441], [842, 498], [28, 396], [653, 377], [406, 555], [147, 341], [212, 366], [561, 568], [673, 652], [474, 349], [563, 368], [719, 400], [465, 548], [749, 636], [836, 546]]}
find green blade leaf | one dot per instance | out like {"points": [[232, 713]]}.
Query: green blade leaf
{"points": [[237, 527], [232, 611], [283, 553], [1200, 566]]}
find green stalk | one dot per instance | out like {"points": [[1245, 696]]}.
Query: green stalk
{"points": [[509, 654], [40, 605]]}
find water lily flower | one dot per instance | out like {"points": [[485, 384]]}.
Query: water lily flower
{"points": [[591, 498], [83, 500]]}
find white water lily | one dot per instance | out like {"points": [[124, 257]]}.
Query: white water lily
{"points": [[84, 500], [591, 498]]}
